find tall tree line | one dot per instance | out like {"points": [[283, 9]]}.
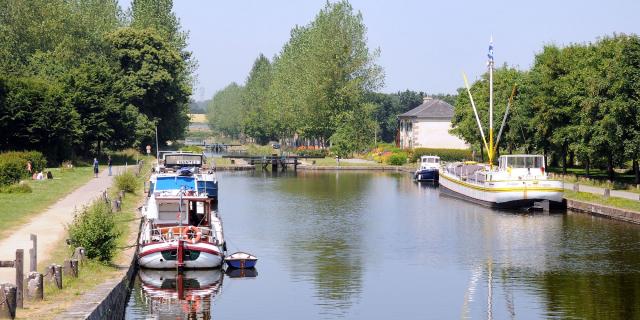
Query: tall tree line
{"points": [[78, 76], [314, 88], [577, 104]]}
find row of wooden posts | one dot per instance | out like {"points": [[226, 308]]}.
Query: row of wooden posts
{"points": [[12, 296]]}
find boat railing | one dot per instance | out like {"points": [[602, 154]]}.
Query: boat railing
{"points": [[166, 234]]}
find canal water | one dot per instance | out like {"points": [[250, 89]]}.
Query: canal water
{"points": [[362, 245]]}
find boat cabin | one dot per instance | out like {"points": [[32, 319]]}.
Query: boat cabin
{"points": [[430, 159], [522, 164]]}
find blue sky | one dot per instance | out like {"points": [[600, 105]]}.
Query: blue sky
{"points": [[425, 45]]}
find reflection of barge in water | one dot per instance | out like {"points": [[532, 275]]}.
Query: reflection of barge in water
{"points": [[190, 292]]}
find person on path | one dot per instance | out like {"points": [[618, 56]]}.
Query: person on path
{"points": [[109, 163], [29, 167], [95, 167]]}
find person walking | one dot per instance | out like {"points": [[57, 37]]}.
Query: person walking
{"points": [[95, 167], [109, 163], [29, 167]]}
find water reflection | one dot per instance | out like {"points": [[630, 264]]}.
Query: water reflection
{"points": [[166, 294]]}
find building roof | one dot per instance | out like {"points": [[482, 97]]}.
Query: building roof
{"points": [[430, 108]]}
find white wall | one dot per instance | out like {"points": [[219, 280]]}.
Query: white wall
{"points": [[431, 133]]}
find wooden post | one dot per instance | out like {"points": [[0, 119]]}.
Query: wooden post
{"points": [[57, 275], [19, 277], [71, 268], [35, 286], [8, 295], [607, 193], [79, 254], [33, 254], [576, 187]]}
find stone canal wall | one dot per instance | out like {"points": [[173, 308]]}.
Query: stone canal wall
{"points": [[605, 211]]}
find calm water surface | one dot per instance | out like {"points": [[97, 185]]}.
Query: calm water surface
{"points": [[365, 245]]}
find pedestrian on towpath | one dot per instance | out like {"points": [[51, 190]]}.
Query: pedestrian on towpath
{"points": [[95, 167], [29, 167], [109, 163]]}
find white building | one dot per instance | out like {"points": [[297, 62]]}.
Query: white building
{"points": [[428, 125]]}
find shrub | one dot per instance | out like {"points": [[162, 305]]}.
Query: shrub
{"points": [[16, 188], [196, 149], [313, 152], [94, 228], [13, 165], [126, 182], [397, 159], [444, 154]]}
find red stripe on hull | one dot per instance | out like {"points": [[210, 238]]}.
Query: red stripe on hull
{"points": [[173, 247]]}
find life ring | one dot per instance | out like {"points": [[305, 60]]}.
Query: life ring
{"points": [[195, 230]]}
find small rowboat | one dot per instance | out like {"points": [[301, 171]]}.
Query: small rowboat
{"points": [[241, 260]]}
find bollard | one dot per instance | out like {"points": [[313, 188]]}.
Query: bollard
{"points": [[607, 193], [35, 286], [8, 296], [19, 265], [576, 187], [57, 275], [71, 268], [33, 253], [79, 254], [51, 271]]}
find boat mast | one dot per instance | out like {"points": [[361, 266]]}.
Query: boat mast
{"points": [[490, 64]]}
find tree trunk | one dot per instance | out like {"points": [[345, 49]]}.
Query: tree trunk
{"points": [[481, 154], [546, 158], [587, 167], [564, 157], [636, 171], [610, 166], [572, 159]]}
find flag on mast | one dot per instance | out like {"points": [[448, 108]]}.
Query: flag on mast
{"points": [[490, 54]]}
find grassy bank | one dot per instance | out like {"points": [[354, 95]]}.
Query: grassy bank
{"points": [[597, 178], [92, 273], [611, 201], [18, 208]]}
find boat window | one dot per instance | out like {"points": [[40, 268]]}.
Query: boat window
{"points": [[522, 162]]}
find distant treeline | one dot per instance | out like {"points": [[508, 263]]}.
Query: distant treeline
{"points": [[319, 88], [577, 104], [78, 76]]}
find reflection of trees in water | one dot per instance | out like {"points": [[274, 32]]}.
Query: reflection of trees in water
{"points": [[327, 242], [597, 274]]}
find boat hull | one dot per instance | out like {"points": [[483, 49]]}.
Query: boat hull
{"points": [[506, 196], [427, 175], [163, 256], [242, 263]]}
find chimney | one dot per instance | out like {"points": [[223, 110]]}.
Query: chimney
{"points": [[426, 99]]}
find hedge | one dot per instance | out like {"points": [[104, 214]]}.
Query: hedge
{"points": [[444, 154], [13, 165]]}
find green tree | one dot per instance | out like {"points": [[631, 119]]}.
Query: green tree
{"points": [[35, 115], [256, 91], [151, 79], [225, 111]]}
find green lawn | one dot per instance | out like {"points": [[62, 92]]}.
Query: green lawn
{"points": [[597, 178], [611, 201], [18, 208]]}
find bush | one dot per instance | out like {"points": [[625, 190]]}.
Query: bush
{"points": [[16, 188], [13, 165], [397, 159], [127, 182], [302, 151], [444, 154], [94, 228]]}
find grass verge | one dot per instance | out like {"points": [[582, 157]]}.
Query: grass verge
{"points": [[18, 208], [611, 201], [92, 273]]}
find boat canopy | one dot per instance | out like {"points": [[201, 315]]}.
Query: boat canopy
{"points": [[175, 183], [521, 161]]}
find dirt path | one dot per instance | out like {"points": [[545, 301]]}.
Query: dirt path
{"points": [[50, 225]]}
